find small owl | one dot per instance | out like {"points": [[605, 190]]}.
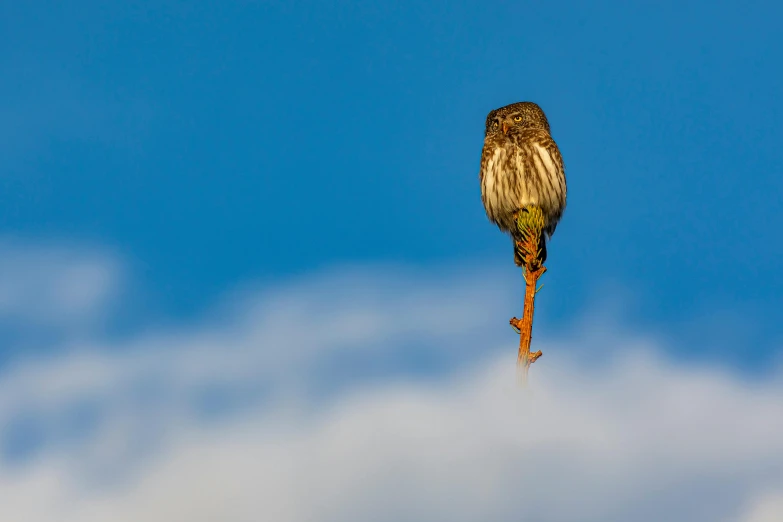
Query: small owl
{"points": [[521, 166]]}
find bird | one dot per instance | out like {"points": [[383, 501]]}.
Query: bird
{"points": [[521, 166]]}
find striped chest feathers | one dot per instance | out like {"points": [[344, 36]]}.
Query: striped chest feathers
{"points": [[495, 182], [518, 175]]}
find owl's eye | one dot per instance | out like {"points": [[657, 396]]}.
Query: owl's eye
{"points": [[495, 124], [517, 118]]}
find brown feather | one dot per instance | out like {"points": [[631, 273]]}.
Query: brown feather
{"points": [[521, 167]]}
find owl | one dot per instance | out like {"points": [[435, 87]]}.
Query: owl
{"points": [[521, 166]]}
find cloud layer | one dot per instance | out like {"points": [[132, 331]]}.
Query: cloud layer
{"points": [[54, 285], [382, 394]]}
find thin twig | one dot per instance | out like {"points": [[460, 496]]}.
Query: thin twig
{"points": [[530, 223]]}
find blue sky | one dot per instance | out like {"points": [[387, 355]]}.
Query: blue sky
{"points": [[230, 141], [172, 172], [222, 142]]}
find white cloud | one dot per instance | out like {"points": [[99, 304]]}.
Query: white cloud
{"points": [[766, 507], [630, 436], [54, 285], [638, 439]]}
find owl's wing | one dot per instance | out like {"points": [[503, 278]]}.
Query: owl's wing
{"points": [[489, 150], [537, 144]]}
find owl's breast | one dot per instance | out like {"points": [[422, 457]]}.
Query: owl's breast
{"points": [[498, 183], [521, 173]]}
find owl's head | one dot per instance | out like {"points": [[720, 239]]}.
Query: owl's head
{"points": [[523, 115]]}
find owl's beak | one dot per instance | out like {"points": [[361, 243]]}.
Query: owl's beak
{"points": [[505, 127]]}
